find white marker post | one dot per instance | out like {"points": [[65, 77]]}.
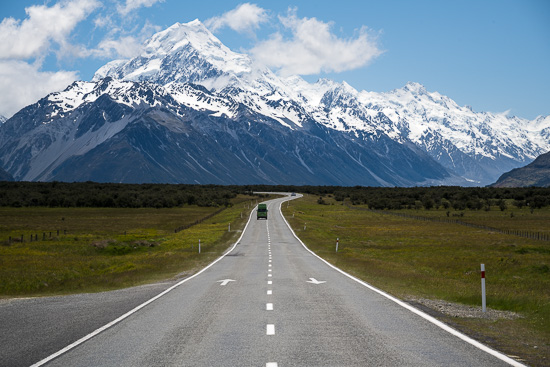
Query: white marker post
{"points": [[483, 299], [229, 228], [337, 239], [199, 246], [304, 226]]}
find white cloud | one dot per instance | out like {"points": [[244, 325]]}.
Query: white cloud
{"points": [[33, 36], [131, 5], [314, 48], [125, 47], [119, 44], [245, 18], [32, 39], [23, 84]]}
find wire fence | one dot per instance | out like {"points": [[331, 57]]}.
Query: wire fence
{"points": [[189, 225]]}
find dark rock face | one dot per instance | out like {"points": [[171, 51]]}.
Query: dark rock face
{"points": [[537, 173], [158, 146], [4, 176]]}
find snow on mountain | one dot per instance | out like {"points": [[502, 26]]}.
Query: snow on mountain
{"points": [[475, 145], [185, 72], [481, 134], [73, 122], [187, 53]]}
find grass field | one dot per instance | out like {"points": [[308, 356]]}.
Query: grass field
{"points": [[104, 248], [422, 259]]}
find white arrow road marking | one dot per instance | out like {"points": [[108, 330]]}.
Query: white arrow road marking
{"points": [[315, 281], [225, 281]]}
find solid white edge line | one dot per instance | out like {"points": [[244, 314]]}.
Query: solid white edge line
{"points": [[127, 314], [427, 317]]}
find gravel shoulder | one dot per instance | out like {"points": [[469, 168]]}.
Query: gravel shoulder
{"points": [[439, 307]]}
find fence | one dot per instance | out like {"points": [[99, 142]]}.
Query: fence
{"points": [[526, 234], [181, 228], [34, 237]]}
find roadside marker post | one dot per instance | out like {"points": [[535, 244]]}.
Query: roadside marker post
{"points": [[337, 240], [199, 246], [483, 298]]}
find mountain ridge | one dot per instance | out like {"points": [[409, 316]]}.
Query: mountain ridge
{"points": [[186, 71], [536, 173]]}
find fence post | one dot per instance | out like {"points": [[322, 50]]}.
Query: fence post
{"points": [[483, 298]]}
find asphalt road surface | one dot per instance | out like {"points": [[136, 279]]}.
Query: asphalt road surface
{"points": [[269, 302]]}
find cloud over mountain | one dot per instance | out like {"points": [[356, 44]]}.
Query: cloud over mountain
{"points": [[245, 18], [313, 48]]}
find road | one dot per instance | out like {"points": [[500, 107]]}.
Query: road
{"points": [[270, 302]]}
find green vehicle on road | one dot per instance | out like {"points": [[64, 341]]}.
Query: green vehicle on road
{"points": [[262, 211]]}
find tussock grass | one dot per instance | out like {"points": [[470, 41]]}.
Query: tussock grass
{"points": [[107, 248], [412, 258]]}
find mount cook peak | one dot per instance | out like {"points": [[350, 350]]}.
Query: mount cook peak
{"points": [[190, 110]]}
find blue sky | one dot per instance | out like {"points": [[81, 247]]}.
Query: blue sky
{"points": [[491, 55]]}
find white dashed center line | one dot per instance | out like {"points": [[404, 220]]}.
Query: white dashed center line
{"points": [[270, 329]]}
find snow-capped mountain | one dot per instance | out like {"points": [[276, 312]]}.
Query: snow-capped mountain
{"points": [[188, 109], [126, 131]]}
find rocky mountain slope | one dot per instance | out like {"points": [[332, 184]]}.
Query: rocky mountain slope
{"points": [[188, 109], [536, 173]]}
